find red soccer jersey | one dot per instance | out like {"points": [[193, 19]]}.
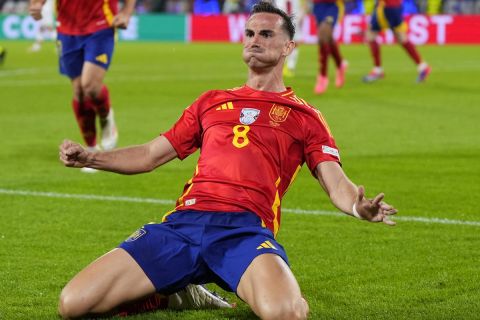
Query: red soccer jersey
{"points": [[392, 3], [253, 144], [80, 17]]}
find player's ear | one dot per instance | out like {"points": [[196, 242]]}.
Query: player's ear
{"points": [[289, 46]]}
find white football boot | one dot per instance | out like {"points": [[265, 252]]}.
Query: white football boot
{"points": [[196, 297], [109, 131]]}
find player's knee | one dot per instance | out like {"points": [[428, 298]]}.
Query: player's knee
{"points": [[78, 93], [401, 37], [67, 308], [371, 35], [71, 305], [287, 310], [91, 90]]}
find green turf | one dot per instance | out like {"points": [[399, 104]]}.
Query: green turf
{"points": [[419, 144]]}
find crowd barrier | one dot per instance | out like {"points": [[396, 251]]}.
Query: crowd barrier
{"points": [[422, 29]]}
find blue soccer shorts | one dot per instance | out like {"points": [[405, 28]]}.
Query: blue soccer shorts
{"points": [[96, 48], [388, 18], [200, 247], [328, 12]]}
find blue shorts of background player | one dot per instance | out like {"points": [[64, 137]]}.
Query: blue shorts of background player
{"points": [[200, 247], [328, 12], [96, 48], [388, 18]]}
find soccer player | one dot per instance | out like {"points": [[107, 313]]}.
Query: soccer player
{"points": [[296, 10], [327, 13], [388, 14], [254, 139], [46, 27], [86, 32]]}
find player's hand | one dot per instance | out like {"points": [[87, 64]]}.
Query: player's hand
{"points": [[73, 154], [374, 210], [35, 9], [121, 20]]}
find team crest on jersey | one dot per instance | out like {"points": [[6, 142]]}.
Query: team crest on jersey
{"points": [[136, 235], [249, 115], [279, 113]]}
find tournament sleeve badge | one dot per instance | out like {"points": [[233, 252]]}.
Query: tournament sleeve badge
{"points": [[249, 116]]}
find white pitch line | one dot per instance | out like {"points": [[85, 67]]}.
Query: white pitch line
{"points": [[396, 218], [83, 196], [171, 202], [21, 72], [117, 79]]}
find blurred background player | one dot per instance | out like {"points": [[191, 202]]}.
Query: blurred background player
{"points": [[388, 14], [86, 32], [46, 26], [296, 9], [327, 13]]}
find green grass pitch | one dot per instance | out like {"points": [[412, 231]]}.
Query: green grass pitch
{"points": [[420, 144]]}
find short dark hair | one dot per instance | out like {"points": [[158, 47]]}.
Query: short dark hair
{"points": [[268, 7]]}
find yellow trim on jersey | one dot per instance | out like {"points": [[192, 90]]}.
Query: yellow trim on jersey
{"points": [[324, 122], [319, 114], [293, 177], [298, 100], [180, 200], [382, 19], [190, 182], [403, 27], [275, 206], [107, 11], [341, 10], [164, 218]]}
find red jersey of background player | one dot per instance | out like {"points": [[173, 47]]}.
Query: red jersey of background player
{"points": [[79, 17], [391, 3], [327, 1], [253, 144]]}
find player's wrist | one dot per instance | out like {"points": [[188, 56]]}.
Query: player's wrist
{"points": [[90, 159], [355, 212]]}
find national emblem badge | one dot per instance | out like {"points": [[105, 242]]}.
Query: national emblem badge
{"points": [[279, 113]]}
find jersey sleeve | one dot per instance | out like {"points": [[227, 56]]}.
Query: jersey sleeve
{"points": [[185, 135], [319, 143]]}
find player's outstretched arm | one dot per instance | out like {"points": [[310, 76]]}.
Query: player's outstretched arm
{"points": [[122, 19], [130, 160], [35, 9], [349, 198]]}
